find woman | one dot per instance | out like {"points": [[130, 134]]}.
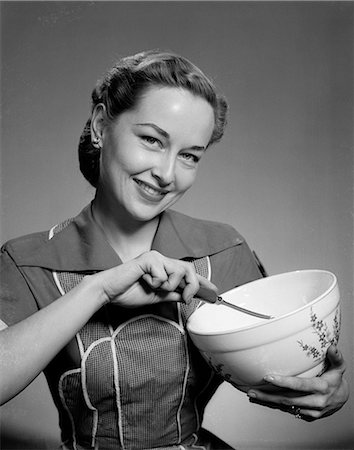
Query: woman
{"points": [[100, 302]]}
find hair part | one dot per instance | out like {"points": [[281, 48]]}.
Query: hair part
{"points": [[124, 84]]}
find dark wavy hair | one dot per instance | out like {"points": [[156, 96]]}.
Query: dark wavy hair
{"points": [[123, 85]]}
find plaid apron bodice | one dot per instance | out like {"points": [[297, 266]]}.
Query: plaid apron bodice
{"points": [[141, 384]]}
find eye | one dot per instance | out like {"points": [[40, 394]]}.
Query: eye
{"points": [[190, 158], [151, 141]]}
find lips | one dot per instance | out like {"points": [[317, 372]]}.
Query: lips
{"points": [[150, 191]]}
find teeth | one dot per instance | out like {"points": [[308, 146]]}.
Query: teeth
{"points": [[149, 189]]}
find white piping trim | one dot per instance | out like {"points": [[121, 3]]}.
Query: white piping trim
{"points": [[91, 346], [209, 268], [211, 374], [57, 282], [200, 447], [208, 277], [180, 321], [69, 372], [85, 391], [135, 319], [80, 344], [51, 232], [94, 428], [63, 401], [116, 375], [111, 329], [62, 292], [178, 415], [117, 386], [54, 273], [109, 325], [116, 383]]}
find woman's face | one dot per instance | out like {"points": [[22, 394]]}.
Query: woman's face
{"points": [[150, 154]]}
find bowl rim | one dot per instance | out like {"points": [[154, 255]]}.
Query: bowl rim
{"points": [[265, 322]]}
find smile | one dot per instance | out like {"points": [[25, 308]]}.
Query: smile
{"points": [[150, 190]]}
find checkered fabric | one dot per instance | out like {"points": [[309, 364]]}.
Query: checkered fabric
{"points": [[138, 383]]}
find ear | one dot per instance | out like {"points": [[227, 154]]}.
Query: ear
{"points": [[98, 121]]}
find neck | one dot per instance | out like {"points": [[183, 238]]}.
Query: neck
{"points": [[128, 237]]}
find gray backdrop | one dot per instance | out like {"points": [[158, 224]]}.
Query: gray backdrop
{"points": [[282, 174]]}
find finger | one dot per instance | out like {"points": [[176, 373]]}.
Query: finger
{"points": [[174, 279], [201, 282], [309, 415], [156, 278], [204, 282], [313, 414], [185, 281], [335, 358], [192, 283], [167, 296], [298, 411], [313, 401], [301, 385], [152, 268]]}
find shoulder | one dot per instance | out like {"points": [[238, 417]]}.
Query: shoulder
{"points": [[197, 236], [216, 230], [25, 245], [232, 263], [23, 289]]}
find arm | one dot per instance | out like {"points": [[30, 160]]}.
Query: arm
{"points": [[28, 346]]}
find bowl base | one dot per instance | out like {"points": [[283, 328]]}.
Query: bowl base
{"points": [[311, 373]]}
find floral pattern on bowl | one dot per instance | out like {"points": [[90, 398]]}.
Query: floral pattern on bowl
{"points": [[218, 368], [326, 337]]}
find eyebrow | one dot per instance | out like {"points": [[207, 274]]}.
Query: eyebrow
{"points": [[165, 134]]}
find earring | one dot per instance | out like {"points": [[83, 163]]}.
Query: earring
{"points": [[96, 142]]}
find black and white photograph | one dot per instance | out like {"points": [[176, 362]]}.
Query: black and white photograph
{"points": [[176, 228]]}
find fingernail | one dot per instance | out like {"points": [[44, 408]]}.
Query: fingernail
{"points": [[251, 394], [269, 378], [187, 300]]}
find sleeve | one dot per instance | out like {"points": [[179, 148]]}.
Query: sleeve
{"points": [[234, 266], [16, 299]]}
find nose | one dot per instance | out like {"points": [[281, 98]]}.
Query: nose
{"points": [[164, 169]]}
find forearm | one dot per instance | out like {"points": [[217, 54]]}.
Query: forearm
{"points": [[28, 346]]}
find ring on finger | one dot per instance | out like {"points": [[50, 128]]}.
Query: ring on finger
{"points": [[296, 411]]}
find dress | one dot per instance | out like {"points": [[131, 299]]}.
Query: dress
{"points": [[130, 379]]}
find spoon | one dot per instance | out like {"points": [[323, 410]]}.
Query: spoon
{"points": [[211, 296]]}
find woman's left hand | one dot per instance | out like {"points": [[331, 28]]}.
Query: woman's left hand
{"points": [[308, 398]]}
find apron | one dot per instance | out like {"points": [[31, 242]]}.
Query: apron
{"points": [[140, 384]]}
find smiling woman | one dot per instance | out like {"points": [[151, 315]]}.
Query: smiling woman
{"points": [[130, 80], [150, 154], [100, 302]]}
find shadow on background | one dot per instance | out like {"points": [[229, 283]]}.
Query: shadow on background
{"points": [[34, 411]]}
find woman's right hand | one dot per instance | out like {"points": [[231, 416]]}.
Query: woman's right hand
{"points": [[28, 346], [150, 278]]}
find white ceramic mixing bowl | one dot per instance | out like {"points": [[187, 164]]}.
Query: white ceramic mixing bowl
{"points": [[243, 349]]}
